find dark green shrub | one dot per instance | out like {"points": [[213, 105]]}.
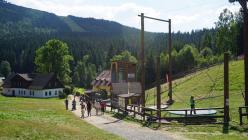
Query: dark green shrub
{"points": [[62, 95]]}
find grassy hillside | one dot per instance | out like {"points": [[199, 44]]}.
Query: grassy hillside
{"points": [[209, 94], [26, 118]]}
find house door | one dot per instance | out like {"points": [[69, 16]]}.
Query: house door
{"points": [[13, 92]]}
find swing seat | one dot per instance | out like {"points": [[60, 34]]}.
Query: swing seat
{"points": [[198, 112], [163, 106]]}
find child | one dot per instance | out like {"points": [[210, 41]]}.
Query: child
{"points": [[82, 109], [89, 108], [192, 105], [66, 103]]}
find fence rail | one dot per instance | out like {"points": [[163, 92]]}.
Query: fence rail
{"points": [[241, 114], [150, 114]]}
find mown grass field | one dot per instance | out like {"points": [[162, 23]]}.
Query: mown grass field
{"points": [[27, 118], [200, 85]]}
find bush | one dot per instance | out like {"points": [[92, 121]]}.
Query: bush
{"points": [[78, 94], [62, 95], [67, 90]]}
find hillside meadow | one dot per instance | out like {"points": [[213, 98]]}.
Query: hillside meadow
{"points": [[207, 87], [28, 118]]}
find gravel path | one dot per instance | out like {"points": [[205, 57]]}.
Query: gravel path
{"points": [[129, 131]]}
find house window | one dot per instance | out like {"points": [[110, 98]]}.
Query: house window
{"points": [[50, 93], [45, 93], [56, 92], [24, 92], [33, 93], [30, 92]]}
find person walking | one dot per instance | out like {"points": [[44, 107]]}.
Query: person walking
{"points": [[103, 107], [73, 104], [89, 108], [66, 103], [192, 105], [97, 106], [82, 109]]}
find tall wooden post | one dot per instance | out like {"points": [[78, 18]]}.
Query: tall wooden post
{"points": [[243, 3], [170, 101], [158, 89], [142, 57], [226, 93]]}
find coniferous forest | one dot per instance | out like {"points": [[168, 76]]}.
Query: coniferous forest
{"points": [[94, 42]]}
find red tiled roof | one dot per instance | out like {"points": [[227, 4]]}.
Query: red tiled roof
{"points": [[103, 79]]}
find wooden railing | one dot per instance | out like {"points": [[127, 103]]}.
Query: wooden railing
{"points": [[151, 114], [241, 114]]}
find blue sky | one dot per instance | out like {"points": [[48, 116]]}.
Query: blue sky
{"points": [[185, 14]]}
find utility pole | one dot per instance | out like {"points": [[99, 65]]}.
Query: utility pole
{"points": [[170, 101], [158, 89], [142, 57], [243, 4], [226, 93]]}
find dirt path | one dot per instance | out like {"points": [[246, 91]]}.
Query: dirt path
{"points": [[129, 131]]}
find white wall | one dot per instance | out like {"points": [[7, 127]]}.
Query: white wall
{"points": [[20, 92]]}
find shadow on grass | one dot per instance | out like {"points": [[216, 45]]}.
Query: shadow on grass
{"points": [[117, 116], [126, 117], [242, 128]]}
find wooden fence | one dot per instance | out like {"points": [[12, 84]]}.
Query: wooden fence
{"points": [[241, 114], [149, 114]]}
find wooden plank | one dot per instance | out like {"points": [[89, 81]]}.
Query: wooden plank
{"points": [[183, 117]]}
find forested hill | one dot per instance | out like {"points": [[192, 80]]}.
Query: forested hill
{"points": [[15, 18], [23, 30]]}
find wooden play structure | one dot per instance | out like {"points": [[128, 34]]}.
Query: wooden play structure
{"points": [[125, 88], [128, 95]]}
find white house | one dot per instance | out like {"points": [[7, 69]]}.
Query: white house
{"points": [[32, 85], [1, 80]]}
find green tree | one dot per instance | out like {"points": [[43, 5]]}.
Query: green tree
{"points": [[5, 68], [84, 72], [125, 56], [227, 31], [206, 52], [187, 57], [54, 57], [206, 41]]}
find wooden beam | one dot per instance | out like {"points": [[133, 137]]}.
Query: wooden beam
{"points": [[154, 18], [226, 93], [158, 89], [142, 58], [170, 101]]}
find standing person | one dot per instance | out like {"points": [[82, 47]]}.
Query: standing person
{"points": [[89, 108], [74, 104], [66, 103], [192, 105], [82, 109], [81, 98], [102, 107], [96, 106]]}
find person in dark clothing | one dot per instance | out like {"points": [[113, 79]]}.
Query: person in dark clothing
{"points": [[89, 108], [73, 104], [66, 103], [102, 107], [192, 105], [81, 99]]}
